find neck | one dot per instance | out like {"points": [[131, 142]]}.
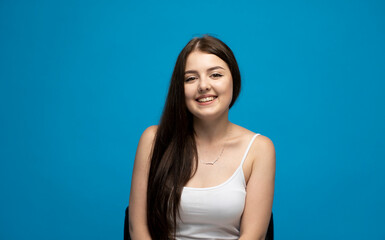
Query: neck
{"points": [[212, 131]]}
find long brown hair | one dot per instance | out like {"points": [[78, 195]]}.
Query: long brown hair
{"points": [[174, 147]]}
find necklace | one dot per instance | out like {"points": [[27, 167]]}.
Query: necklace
{"points": [[212, 163], [219, 156]]}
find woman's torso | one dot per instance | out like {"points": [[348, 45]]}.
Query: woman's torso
{"points": [[209, 210]]}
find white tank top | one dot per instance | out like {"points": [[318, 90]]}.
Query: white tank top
{"points": [[215, 212]]}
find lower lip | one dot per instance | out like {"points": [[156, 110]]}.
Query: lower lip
{"points": [[206, 103]]}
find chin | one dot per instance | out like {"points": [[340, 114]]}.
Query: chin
{"points": [[209, 116]]}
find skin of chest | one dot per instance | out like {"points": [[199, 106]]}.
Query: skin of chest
{"points": [[224, 168]]}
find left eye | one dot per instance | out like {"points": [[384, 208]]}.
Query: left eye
{"points": [[216, 75]]}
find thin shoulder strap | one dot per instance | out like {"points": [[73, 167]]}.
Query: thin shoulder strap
{"points": [[248, 148]]}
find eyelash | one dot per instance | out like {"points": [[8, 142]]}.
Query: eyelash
{"points": [[214, 75], [190, 79]]}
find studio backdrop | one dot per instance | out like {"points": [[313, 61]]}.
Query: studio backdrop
{"points": [[81, 80]]}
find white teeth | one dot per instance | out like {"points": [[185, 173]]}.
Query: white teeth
{"points": [[206, 99]]}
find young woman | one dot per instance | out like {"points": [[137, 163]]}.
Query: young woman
{"points": [[197, 175]]}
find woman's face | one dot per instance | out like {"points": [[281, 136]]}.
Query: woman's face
{"points": [[208, 85]]}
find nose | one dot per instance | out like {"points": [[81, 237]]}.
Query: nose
{"points": [[204, 85]]}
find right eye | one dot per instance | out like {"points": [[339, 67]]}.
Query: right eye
{"points": [[190, 79]]}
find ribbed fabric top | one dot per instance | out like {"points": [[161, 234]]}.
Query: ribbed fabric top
{"points": [[213, 212]]}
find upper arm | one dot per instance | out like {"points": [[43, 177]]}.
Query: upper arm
{"points": [[260, 190], [138, 194]]}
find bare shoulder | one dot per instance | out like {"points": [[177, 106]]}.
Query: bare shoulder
{"points": [[146, 143], [148, 135], [263, 151], [264, 143]]}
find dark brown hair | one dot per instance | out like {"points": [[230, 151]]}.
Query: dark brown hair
{"points": [[174, 147]]}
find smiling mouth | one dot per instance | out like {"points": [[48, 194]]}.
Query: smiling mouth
{"points": [[206, 99]]}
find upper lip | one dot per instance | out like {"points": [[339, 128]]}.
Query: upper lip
{"points": [[205, 96]]}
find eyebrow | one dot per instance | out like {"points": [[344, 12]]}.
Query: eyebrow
{"points": [[208, 70]]}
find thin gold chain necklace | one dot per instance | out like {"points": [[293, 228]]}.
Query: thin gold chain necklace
{"points": [[219, 156], [212, 163]]}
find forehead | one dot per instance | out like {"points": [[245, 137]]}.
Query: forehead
{"points": [[197, 60]]}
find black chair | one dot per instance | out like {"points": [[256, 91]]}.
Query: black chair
{"points": [[270, 229], [269, 234], [126, 227]]}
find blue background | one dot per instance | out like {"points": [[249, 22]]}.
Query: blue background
{"points": [[81, 80]]}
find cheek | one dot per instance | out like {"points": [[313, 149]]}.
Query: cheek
{"points": [[230, 93], [231, 87], [188, 93], [228, 89], [189, 97]]}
